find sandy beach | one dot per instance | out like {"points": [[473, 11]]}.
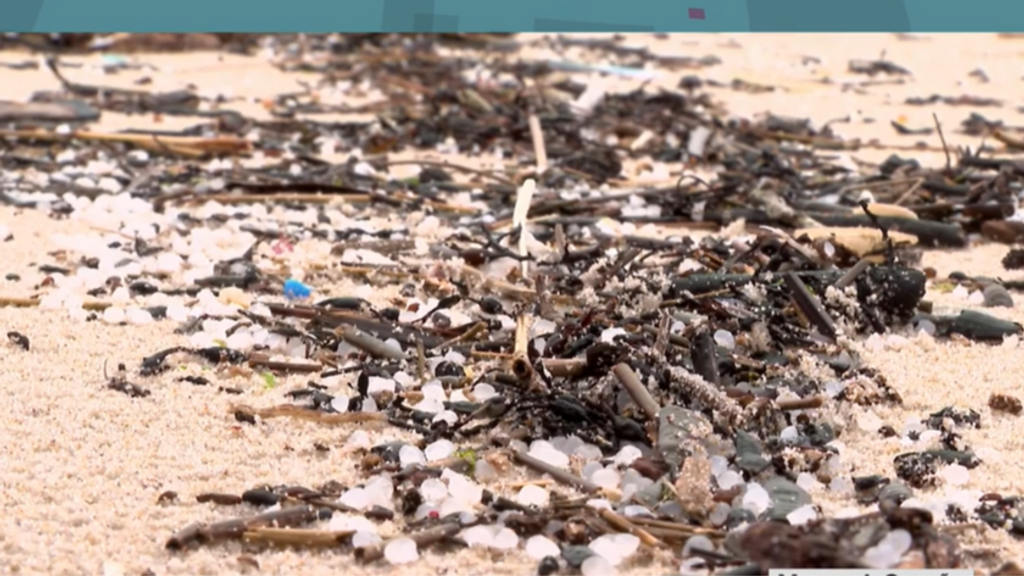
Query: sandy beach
{"points": [[83, 467]]}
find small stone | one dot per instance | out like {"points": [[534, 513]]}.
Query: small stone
{"points": [[698, 543], [725, 339], [841, 486], [484, 472], [605, 477], [479, 535], [114, 315], [719, 514], [785, 497], [484, 391], [411, 455], [615, 547], [376, 385], [539, 547], [749, 453], [505, 539], [401, 551], [996, 295], [137, 316], [427, 509], [358, 440], [588, 452], [365, 539], [340, 404], [834, 388], [575, 555], [433, 491], [546, 452], [756, 498], [729, 479], [596, 566], [888, 552], [802, 515], [355, 498], [693, 566], [808, 482], [440, 449], [532, 495], [627, 455]]}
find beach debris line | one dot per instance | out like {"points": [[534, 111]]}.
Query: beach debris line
{"points": [[537, 355]]}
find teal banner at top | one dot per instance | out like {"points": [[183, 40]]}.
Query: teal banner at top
{"points": [[511, 16]]}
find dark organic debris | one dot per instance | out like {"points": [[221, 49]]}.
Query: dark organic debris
{"points": [[874, 67], [1005, 403], [119, 382], [18, 339]]}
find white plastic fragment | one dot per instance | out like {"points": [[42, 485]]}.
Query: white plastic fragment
{"points": [[401, 551]]}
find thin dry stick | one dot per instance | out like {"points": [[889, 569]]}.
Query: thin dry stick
{"points": [[913, 188], [421, 361], [521, 367], [851, 275], [812, 402], [33, 302], [297, 537], [184, 145], [290, 197], [637, 391], [810, 306], [260, 360], [237, 527], [540, 151], [942, 138], [369, 343], [662, 339], [451, 166], [469, 333], [492, 284], [524, 196], [304, 414], [623, 524], [560, 475]]}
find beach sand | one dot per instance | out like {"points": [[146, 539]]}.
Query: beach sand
{"points": [[82, 467]]}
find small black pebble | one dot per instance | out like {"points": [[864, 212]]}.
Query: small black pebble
{"points": [[141, 287], [11, 276], [260, 497], [243, 417], [449, 369], [547, 566], [378, 513], [491, 306]]}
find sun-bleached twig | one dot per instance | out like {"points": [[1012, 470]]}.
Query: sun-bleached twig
{"points": [[540, 151], [524, 196]]}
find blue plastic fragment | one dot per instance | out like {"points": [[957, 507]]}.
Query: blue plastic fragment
{"points": [[294, 289]]}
